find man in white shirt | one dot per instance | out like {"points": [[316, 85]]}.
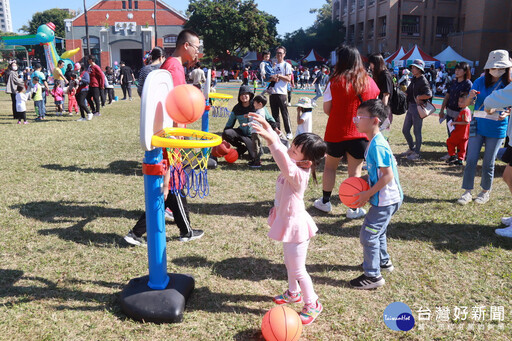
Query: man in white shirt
{"points": [[281, 77], [197, 76]]}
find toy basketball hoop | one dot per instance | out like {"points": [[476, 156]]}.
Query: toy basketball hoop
{"points": [[188, 159], [219, 104]]}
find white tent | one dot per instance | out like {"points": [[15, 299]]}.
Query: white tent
{"points": [[395, 57], [417, 53], [251, 56], [449, 55]]}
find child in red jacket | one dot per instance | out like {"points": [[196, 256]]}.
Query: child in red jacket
{"points": [[459, 133], [72, 103]]}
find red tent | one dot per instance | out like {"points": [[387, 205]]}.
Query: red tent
{"points": [[417, 53], [312, 56]]}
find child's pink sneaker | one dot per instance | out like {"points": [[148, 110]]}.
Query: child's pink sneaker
{"points": [[288, 297], [310, 312]]}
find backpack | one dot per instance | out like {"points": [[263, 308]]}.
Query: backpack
{"points": [[398, 103]]}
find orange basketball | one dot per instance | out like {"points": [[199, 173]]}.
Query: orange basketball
{"points": [[185, 104], [351, 186], [232, 156], [281, 324]]}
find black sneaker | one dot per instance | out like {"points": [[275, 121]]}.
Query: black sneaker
{"points": [[194, 234], [255, 164], [388, 267], [132, 239], [451, 159], [365, 283], [457, 163]]}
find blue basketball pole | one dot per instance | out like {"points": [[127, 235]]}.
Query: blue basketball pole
{"points": [[155, 222]]}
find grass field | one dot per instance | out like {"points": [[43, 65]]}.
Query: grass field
{"points": [[71, 190]]}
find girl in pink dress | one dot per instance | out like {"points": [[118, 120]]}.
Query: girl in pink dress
{"points": [[289, 221]]}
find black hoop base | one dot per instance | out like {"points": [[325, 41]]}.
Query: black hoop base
{"points": [[141, 303]]}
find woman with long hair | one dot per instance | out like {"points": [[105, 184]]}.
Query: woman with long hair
{"points": [[382, 77], [461, 84], [486, 129], [348, 87]]}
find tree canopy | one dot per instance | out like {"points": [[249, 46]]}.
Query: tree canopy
{"points": [[230, 26], [54, 15], [323, 36]]}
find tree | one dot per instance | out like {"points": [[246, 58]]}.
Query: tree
{"points": [[54, 15], [230, 26], [323, 36]]}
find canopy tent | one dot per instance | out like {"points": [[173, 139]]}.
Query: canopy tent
{"points": [[312, 56], [251, 56], [417, 53], [292, 62], [450, 58], [395, 56]]}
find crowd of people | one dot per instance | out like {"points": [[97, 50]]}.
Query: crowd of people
{"points": [[85, 85]]}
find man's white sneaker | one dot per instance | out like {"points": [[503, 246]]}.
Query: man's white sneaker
{"points": [[482, 198], [319, 204], [356, 213], [506, 232], [413, 156], [89, 116], [289, 136], [466, 198], [506, 221]]}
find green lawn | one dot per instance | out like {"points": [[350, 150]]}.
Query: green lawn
{"points": [[71, 191]]}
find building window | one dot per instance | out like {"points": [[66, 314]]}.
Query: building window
{"points": [[371, 2], [351, 29], [170, 39], [371, 29], [92, 40], [136, 4], [445, 26], [129, 4], [361, 4], [360, 29], [124, 4], [382, 24], [352, 5], [411, 25]]}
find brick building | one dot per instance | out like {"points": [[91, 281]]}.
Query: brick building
{"points": [[122, 30], [471, 27]]}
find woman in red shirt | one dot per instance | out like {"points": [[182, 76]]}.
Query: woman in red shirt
{"points": [[348, 87]]}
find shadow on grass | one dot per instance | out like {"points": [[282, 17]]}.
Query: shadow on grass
{"points": [[121, 167], [450, 237], [45, 289], [458, 171], [79, 214], [258, 269], [249, 335], [443, 237], [214, 302], [237, 209]]}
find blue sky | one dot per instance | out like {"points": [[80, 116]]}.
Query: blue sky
{"points": [[292, 14]]}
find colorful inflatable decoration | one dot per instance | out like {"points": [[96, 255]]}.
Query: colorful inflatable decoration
{"points": [[45, 36]]}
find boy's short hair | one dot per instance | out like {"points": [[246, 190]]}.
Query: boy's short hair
{"points": [[35, 78], [20, 88], [463, 94], [376, 108], [260, 99], [266, 52]]}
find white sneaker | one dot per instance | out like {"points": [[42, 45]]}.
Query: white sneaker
{"points": [[89, 116], [413, 156], [506, 221], [319, 204], [482, 198], [168, 214], [406, 153], [466, 198], [506, 232], [444, 158], [81, 119], [356, 213], [289, 136]]}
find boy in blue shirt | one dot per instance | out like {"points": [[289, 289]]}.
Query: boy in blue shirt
{"points": [[385, 195]]}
